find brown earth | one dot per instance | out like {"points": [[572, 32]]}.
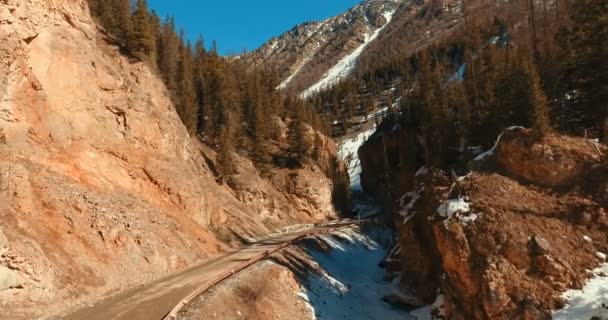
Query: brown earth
{"points": [[101, 187], [265, 291], [526, 246], [557, 161]]}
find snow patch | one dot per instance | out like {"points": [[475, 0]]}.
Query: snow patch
{"points": [[457, 208], [405, 210], [451, 206], [601, 256], [351, 284], [587, 239], [589, 302], [349, 152], [345, 66], [422, 171], [306, 59], [491, 151], [432, 312]]}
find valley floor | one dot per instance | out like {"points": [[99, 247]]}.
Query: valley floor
{"points": [[335, 276]]}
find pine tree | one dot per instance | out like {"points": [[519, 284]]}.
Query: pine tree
{"points": [[262, 156], [434, 123], [168, 54], [114, 16], [298, 144], [141, 40], [317, 147], [541, 123], [155, 27], [588, 71], [187, 105], [225, 155], [200, 83]]}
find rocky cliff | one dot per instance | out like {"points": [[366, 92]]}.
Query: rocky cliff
{"points": [[506, 240], [101, 188]]}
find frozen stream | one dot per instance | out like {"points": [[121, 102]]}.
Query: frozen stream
{"points": [[352, 285]]}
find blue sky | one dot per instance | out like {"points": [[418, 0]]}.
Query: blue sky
{"points": [[239, 24]]}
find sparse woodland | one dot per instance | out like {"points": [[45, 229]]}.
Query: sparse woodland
{"points": [[218, 100], [536, 64]]}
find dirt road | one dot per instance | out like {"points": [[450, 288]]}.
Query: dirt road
{"points": [[155, 300]]}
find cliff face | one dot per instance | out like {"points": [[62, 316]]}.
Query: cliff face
{"points": [[101, 187], [505, 241]]}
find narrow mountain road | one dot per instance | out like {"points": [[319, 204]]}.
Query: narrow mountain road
{"points": [[155, 300]]}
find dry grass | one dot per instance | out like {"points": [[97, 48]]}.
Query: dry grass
{"points": [[253, 291]]}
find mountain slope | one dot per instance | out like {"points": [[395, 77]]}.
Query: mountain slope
{"points": [[101, 187], [324, 50]]}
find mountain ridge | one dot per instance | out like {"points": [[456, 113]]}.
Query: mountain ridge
{"points": [[302, 55]]}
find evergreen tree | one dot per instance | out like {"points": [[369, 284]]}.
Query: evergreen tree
{"points": [[317, 147], [141, 40], [262, 156], [541, 124], [200, 83], [225, 155], [155, 25], [187, 106], [298, 144], [434, 124], [588, 70], [168, 55], [114, 16]]}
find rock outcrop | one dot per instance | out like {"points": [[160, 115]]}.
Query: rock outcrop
{"points": [[499, 243], [101, 187], [558, 161]]}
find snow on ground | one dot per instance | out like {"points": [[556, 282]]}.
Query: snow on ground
{"points": [[406, 203], [457, 208], [422, 171], [590, 302], [307, 59], [431, 312], [285, 82], [451, 206], [345, 66], [459, 74], [491, 151], [352, 285], [349, 152]]}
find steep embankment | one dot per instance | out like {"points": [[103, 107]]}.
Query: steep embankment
{"points": [[101, 187], [505, 241], [331, 276]]}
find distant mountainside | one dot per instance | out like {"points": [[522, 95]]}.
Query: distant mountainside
{"points": [[315, 54]]}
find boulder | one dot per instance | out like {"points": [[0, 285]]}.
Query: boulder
{"points": [[9, 279], [555, 161]]}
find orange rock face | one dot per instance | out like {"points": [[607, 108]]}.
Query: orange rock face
{"points": [[101, 187], [556, 161], [527, 243]]}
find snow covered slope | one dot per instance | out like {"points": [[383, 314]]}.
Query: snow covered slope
{"points": [[351, 284], [345, 66], [305, 54], [349, 153], [589, 303]]}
